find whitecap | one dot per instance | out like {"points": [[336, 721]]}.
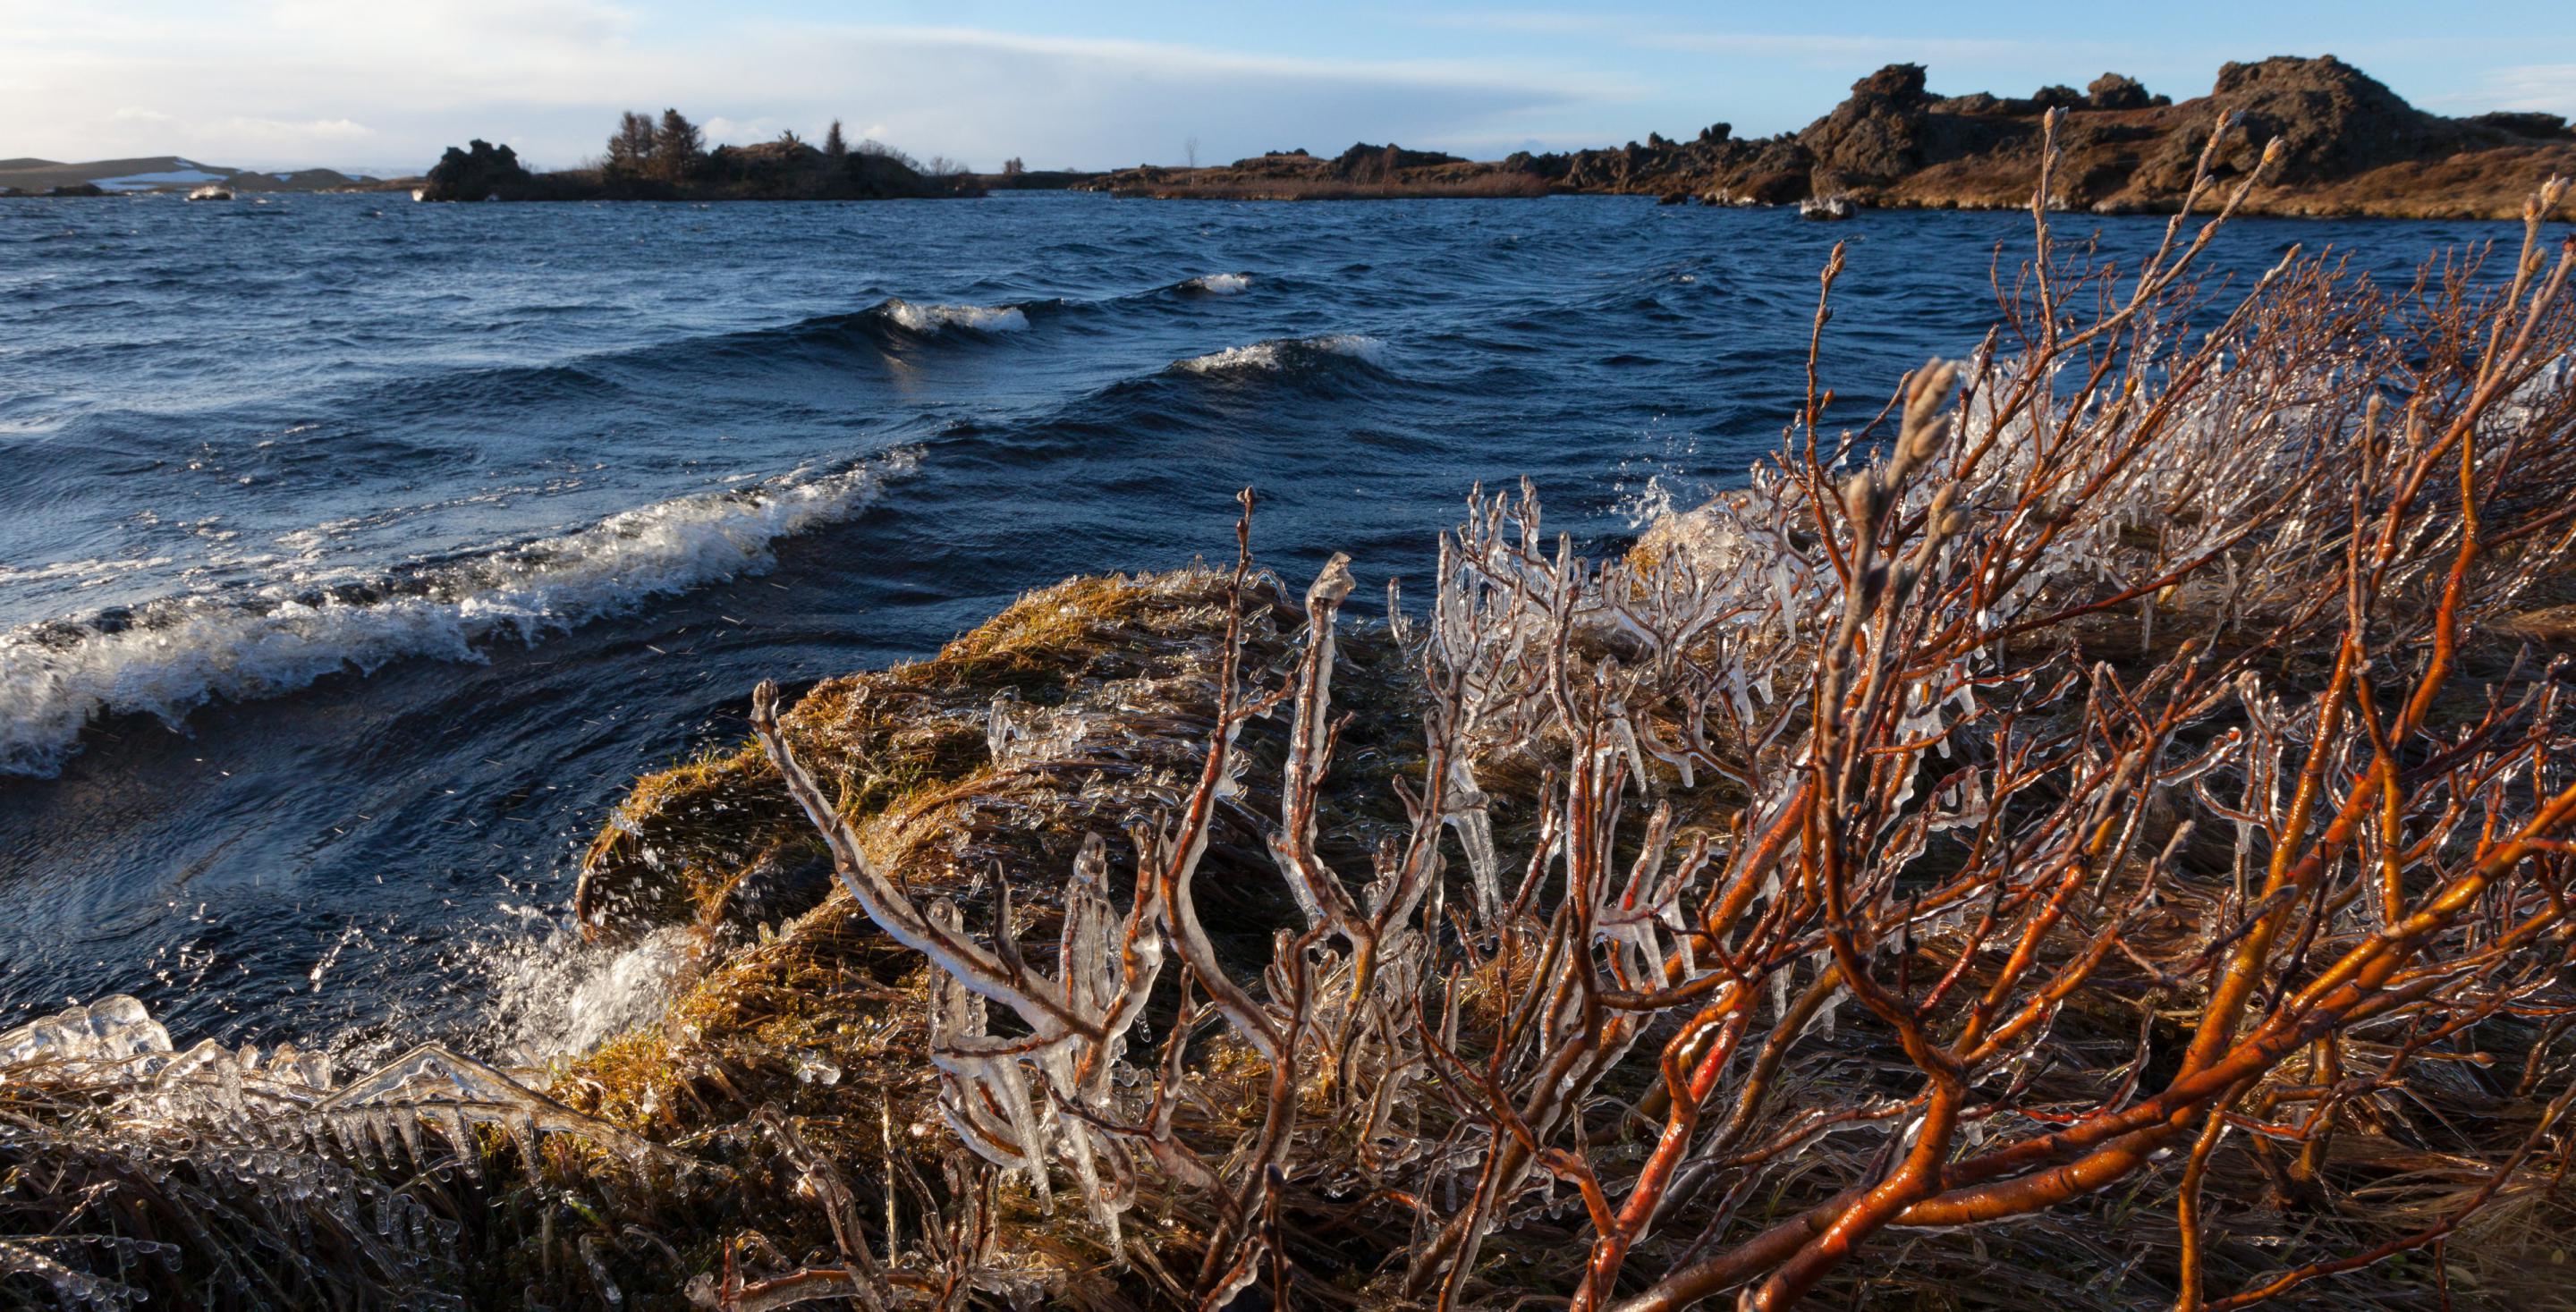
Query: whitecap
{"points": [[1283, 353], [1218, 284], [176, 654], [980, 318]]}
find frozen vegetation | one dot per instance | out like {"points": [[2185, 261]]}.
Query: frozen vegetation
{"points": [[2096, 835]]}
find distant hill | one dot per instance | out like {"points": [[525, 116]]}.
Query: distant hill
{"points": [[165, 173]]}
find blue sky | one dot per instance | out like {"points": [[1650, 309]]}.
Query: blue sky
{"points": [[385, 85]]}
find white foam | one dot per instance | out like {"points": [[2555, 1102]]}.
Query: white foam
{"points": [[1219, 284], [558, 997], [180, 653], [981, 318], [89, 573], [1283, 353]]}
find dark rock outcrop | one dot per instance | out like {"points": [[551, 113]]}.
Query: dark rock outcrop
{"points": [[2332, 119], [2350, 146], [2116, 91], [2526, 123], [1367, 163], [481, 171], [1876, 136], [77, 190]]}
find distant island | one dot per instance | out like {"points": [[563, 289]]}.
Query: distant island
{"points": [[161, 173], [666, 159]]}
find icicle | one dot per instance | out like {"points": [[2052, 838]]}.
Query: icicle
{"points": [[460, 1136], [409, 1126]]}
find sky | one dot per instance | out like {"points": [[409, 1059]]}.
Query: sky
{"points": [[383, 85]]}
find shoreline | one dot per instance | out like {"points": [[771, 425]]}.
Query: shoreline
{"points": [[2293, 206], [2349, 148]]}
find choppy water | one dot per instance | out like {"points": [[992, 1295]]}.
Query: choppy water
{"points": [[355, 555]]}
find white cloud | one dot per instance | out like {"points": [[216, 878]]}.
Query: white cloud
{"points": [[1825, 50], [319, 130], [723, 131], [2550, 88], [1813, 49], [295, 82]]}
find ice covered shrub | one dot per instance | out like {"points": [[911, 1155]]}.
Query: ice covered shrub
{"points": [[2108, 776]]}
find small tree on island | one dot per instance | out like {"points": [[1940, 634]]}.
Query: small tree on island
{"points": [[833, 146], [631, 149], [677, 146], [1012, 167]]}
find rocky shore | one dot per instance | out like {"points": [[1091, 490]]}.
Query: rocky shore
{"points": [[2351, 147], [1363, 172]]}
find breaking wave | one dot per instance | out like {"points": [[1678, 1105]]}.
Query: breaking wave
{"points": [[1286, 355], [171, 656], [979, 318], [1218, 284]]}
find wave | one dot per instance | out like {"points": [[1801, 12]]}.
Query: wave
{"points": [[1218, 284], [930, 319], [1286, 355], [166, 658], [605, 377]]}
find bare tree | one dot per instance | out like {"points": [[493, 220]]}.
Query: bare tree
{"points": [[631, 149], [834, 146], [872, 147]]}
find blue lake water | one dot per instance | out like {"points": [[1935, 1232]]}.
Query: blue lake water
{"points": [[355, 554]]}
